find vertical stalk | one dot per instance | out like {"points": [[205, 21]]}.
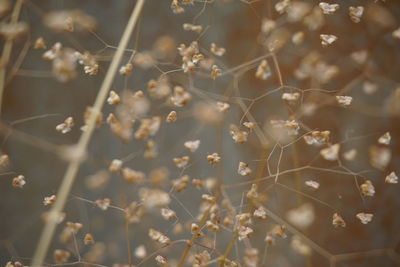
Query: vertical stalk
{"points": [[73, 166], [7, 49]]}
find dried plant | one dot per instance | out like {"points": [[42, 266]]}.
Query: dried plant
{"points": [[215, 133]]}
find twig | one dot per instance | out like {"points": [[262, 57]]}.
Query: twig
{"points": [[5, 56], [74, 165]]}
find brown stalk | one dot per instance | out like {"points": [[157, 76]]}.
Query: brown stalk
{"points": [[73, 166], [7, 48]]}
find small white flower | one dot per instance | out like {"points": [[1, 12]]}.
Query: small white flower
{"points": [[365, 218], [385, 139], [391, 178], [328, 8], [327, 39]]}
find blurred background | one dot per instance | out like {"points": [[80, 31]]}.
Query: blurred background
{"points": [[362, 63]]}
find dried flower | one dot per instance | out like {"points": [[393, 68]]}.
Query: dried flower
{"points": [[159, 237], [61, 256], [327, 39], [89, 62], [49, 200], [312, 184], [134, 212], [180, 97], [161, 260], [214, 158], [216, 50], [279, 231], [176, 7], [168, 213], [344, 100], [391, 178], [171, 117], [243, 169], [356, 13], [367, 189], [19, 181], [244, 232], [115, 166], [88, 239], [260, 213], [160, 88], [69, 231], [290, 97], [113, 98], [192, 146], [201, 259], [263, 70], [215, 72], [222, 106], [328, 8], [385, 139], [317, 138], [181, 162], [103, 203], [140, 252], [192, 27], [212, 226], [126, 69], [39, 43], [132, 176], [364, 218], [148, 127], [330, 153], [66, 126], [180, 184], [338, 221], [252, 193], [208, 198], [249, 125], [194, 228], [238, 135]]}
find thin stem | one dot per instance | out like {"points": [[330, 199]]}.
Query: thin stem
{"points": [[5, 56], [228, 249], [74, 165]]}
